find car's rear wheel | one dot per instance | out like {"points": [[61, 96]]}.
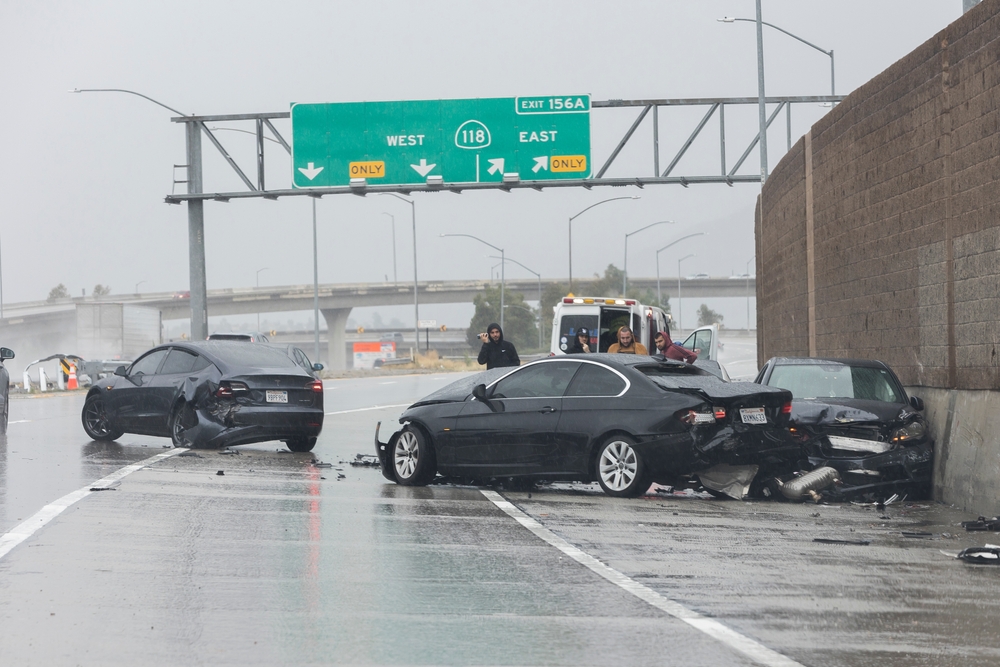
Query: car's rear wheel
{"points": [[413, 459], [181, 419], [96, 422], [621, 471], [300, 444]]}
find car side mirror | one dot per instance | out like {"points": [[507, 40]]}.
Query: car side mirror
{"points": [[917, 403], [317, 367], [479, 393], [6, 353], [121, 372]]}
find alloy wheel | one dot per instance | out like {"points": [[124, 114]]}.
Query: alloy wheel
{"points": [[618, 465], [406, 454]]}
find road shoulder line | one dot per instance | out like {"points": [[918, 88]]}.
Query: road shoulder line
{"points": [[748, 647], [37, 521]]}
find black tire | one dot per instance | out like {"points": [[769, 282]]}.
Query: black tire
{"points": [[621, 472], [181, 419], [300, 444], [96, 422], [413, 461]]}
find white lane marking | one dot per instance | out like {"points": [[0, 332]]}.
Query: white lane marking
{"points": [[374, 407], [748, 647], [19, 421], [34, 523]]}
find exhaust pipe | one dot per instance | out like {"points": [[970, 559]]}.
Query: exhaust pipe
{"points": [[809, 484]]}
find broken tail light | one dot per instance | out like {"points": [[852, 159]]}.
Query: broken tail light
{"points": [[230, 389], [696, 418], [315, 385], [720, 412], [786, 409]]}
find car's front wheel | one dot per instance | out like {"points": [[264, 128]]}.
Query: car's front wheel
{"points": [[621, 471], [413, 458], [96, 422], [300, 444]]}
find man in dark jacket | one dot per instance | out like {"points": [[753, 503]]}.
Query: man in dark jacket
{"points": [[497, 352], [667, 349], [582, 343]]}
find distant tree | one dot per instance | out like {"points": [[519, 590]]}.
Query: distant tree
{"points": [[708, 316], [58, 292], [519, 320], [102, 290]]}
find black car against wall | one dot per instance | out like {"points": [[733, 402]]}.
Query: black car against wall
{"points": [[209, 394], [853, 415], [623, 421]]}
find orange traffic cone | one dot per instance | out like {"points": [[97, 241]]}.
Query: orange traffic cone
{"points": [[72, 384]]}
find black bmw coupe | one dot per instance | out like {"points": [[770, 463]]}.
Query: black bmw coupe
{"points": [[209, 394], [623, 420]]}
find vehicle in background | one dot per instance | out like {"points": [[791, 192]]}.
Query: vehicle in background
{"points": [[5, 354], [298, 356], [623, 420], [854, 415], [603, 317], [249, 337], [209, 394], [697, 276], [395, 337]]}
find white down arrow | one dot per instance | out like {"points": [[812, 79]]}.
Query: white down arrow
{"points": [[310, 171], [423, 168]]}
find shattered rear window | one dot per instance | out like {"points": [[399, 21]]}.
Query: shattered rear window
{"points": [[671, 376]]}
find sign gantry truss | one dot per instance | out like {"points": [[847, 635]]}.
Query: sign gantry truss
{"points": [[661, 175]]}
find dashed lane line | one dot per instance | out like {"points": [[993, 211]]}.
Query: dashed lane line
{"points": [[748, 647], [374, 407], [37, 521]]}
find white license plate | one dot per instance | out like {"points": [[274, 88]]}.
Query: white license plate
{"points": [[277, 396], [753, 416]]}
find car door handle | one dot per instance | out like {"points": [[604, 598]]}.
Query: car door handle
{"points": [[547, 409]]}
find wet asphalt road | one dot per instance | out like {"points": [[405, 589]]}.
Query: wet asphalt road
{"points": [[283, 561]]}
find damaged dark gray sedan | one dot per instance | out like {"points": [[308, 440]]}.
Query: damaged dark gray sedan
{"points": [[854, 416], [209, 394], [622, 420]]}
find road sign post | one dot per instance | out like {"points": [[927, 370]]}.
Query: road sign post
{"points": [[542, 138]]}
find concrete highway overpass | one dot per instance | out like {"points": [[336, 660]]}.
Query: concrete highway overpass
{"points": [[335, 302]]}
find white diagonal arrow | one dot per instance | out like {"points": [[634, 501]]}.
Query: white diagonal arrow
{"points": [[310, 172], [497, 165], [541, 163], [423, 168]]}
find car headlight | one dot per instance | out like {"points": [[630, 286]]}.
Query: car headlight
{"points": [[912, 431]]}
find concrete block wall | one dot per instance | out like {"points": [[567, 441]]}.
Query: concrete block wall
{"points": [[878, 236]]}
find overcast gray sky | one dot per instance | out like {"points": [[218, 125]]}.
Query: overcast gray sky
{"points": [[83, 176]]}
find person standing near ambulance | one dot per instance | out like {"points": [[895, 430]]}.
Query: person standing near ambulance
{"points": [[627, 344]]}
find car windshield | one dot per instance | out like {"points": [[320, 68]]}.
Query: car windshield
{"points": [[836, 381], [259, 356]]}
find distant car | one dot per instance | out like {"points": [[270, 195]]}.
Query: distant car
{"points": [[622, 420], [5, 354], [249, 337], [182, 295], [855, 416], [396, 337], [697, 276], [209, 394], [298, 356], [742, 276]]}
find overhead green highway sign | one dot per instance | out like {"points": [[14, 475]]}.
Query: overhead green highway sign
{"points": [[449, 141]]}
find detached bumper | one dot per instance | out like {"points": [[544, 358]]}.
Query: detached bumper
{"points": [[906, 470], [249, 425], [384, 452]]}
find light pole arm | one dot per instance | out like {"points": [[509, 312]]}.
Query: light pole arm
{"points": [[603, 201], [833, 81], [130, 92]]}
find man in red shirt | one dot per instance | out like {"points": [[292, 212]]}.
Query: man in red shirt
{"points": [[667, 349]]}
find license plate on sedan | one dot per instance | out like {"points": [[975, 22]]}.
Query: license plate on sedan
{"points": [[753, 416], [274, 396]]}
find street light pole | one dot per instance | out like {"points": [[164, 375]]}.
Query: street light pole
{"points": [[258, 287], [503, 266], [659, 296], [196, 215], [680, 316], [416, 302], [625, 262], [574, 217], [761, 107], [393, 218], [747, 275], [833, 81], [539, 277], [137, 286]]}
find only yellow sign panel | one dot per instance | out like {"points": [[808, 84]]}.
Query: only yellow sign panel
{"points": [[568, 163], [375, 169]]}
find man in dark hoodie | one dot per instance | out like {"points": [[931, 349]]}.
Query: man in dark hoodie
{"points": [[497, 352]]}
